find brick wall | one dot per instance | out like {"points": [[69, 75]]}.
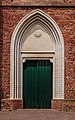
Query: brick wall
{"points": [[64, 17], [39, 2], [1, 52]]}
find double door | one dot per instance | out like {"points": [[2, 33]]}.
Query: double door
{"points": [[37, 83]]}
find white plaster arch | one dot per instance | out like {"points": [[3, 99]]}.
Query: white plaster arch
{"points": [[36, 17]]}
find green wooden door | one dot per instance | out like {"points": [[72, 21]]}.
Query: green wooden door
{"points": [[37, 84]]}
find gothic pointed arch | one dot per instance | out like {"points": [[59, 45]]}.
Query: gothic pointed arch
{"points": [[36, 20]]}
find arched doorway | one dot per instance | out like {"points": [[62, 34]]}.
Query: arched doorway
{"points": [[36, 37]]}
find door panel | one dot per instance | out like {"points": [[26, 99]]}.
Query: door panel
{"points": [[45, 84], [30, 92], [37, 89]]}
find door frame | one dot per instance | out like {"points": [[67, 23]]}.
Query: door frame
{"points": [[50, 55]]}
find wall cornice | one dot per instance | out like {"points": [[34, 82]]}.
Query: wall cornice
{"points": [[37, 3]]}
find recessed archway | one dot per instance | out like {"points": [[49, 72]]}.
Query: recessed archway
{"points": [[33, 22]]}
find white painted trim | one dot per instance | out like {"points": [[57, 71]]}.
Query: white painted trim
{"points": [[43, 52], [27, 22], [51, 60], [23, 60]]}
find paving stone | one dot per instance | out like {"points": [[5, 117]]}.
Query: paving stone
{"points": [[37, 114]]}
